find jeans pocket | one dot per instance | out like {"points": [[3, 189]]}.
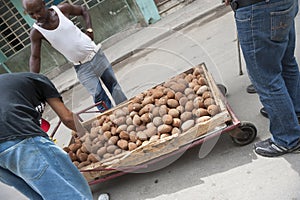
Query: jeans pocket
{"points": [[242, 15], [24, 160], [243, 24], [281, 22]]}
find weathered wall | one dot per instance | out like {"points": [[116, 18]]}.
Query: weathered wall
{"points": [[108, 18], [50, 58], [2, 69]]}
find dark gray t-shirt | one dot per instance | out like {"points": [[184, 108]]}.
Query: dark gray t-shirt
{"points": [[22, 101]]}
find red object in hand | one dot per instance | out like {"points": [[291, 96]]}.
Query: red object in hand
{"points": [[45, 125]]}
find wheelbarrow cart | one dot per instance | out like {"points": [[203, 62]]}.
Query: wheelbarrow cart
{"points": [[127, 139]]}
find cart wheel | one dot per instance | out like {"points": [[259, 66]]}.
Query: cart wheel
{"points": [[247, 135], [222, 89]]}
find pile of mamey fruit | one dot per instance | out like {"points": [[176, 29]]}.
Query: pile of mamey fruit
{"points": [[168, 109]]}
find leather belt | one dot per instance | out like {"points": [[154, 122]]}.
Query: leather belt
{"points": [[88, 57], [236, 4]]}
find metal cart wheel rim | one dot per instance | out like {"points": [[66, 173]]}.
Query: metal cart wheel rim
{"points": [[249, 132]]}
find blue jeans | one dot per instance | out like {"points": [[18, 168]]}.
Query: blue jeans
{"points": [[40, 170], [266, 32], [90, 74]]}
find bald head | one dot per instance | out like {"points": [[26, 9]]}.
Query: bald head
{"points": [[27, 3], [35, 8]]}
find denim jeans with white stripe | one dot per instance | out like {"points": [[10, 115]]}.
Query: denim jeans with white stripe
{"points": [[41, 170], [266, 32]]}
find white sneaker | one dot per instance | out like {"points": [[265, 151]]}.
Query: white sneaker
{"points": [[104, 196]]}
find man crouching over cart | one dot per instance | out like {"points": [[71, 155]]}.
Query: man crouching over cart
{"points": [[29, 160]]}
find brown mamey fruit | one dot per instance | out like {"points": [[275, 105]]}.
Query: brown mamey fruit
{"points": [[172, 103], [213, 109], [132, 146], [123, 144], [167, 119]]}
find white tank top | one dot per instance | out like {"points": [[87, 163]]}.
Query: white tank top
{"points": [[68, 39]]}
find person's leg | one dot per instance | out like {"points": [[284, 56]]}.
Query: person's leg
{"points": [[47, 169], [103, 70], [101, 95], [110, 81], [290, 74], [8, 178], [290, 71], [263, 58], [88, 75]]}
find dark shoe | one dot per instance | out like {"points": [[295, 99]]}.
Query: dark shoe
{"points": [[264, 113], [268, 148], [251, 89]]}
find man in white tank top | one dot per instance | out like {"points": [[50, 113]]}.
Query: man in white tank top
{"points": [[91, 65]]}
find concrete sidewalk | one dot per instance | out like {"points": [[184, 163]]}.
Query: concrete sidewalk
{"points": [[143, 37]]}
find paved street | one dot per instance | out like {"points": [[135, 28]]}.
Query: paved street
{"points": [[228, 171]]}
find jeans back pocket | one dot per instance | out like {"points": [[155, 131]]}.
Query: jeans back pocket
{"points": [[24, 160], [281, 23]]}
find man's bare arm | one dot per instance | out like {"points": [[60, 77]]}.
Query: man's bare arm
{"points": [[35, 57], [67, 117], [77, 10]]}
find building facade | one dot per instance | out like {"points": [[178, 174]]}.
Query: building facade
{"points": [[109, 17]]}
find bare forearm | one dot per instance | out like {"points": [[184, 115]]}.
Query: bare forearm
{"points": [[86, 17], [34, 64], [69, 122], [72, 122], [88, 22], [68, 118]]}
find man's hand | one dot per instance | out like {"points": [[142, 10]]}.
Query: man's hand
{"points": [[90, 34], [67, 117], [227, 2], [77, 10]]}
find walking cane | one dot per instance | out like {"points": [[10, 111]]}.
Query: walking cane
{"points": [[239, 51], [239, 56]]}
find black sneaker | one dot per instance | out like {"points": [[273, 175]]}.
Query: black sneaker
{"points": [[268, 148], [251, 89], [263, 112]]}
